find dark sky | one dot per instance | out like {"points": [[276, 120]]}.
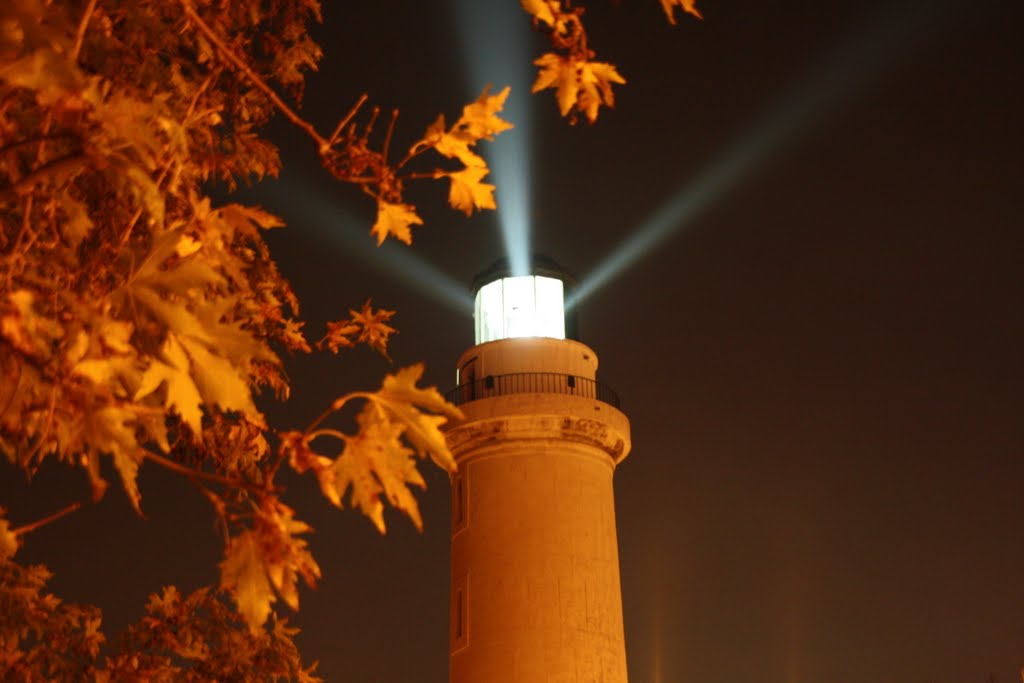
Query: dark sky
{"points": [[822, 362]]}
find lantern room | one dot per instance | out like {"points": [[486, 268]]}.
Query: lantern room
{"points": [[510, 305]]}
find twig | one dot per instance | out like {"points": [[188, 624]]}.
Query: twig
{"points": [[337, 405], [199, 93], [387, 138], [253, 76], [14, 391], [199, 474], [341, 436], [371, 123], [433, 175], [344, 121], [29, 528], [82, 25]]}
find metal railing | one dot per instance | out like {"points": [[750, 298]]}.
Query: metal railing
{"points": [[532, 383]]}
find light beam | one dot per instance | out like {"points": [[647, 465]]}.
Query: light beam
{"points": [[337, 227], [495, 53], [838, 76]]}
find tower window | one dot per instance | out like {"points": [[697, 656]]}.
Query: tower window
{"points": [[460, 615], [458, 501]]}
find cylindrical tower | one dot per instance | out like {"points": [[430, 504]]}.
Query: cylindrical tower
{"points": [[535, 593]]}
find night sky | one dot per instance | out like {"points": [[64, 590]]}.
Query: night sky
{"points": [[821, 354]]}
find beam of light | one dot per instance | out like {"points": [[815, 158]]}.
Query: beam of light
{"points": [[341, 230], [494, 51], [848, 68]]}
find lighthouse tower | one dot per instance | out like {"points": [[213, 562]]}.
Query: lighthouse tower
{"points": [[535, 595]]}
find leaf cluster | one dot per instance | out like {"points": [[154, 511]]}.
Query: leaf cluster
{"points": [[581, 84], [138, 321], [198, 638]]}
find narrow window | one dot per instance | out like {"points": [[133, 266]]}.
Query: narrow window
{"points": [[460, 615], [458, 501]]}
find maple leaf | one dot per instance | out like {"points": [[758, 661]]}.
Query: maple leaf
{"points": [[340, 335], [181, 392], [292, 337], [541, 10], [111, 429], [452, 145], [265, 562], [366, 326], [480, 120], [243, 576], [285, 555], [396, 469], [374, 462], [560, 73], [468, 192], [394, 219], [391, 461], [596, 80], [689, 6], [242, 219], [400, 395], [579, 84], [177, 292], [351, 477], [219, 380], [185, 273]]}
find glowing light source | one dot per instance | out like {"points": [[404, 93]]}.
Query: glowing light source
{"points": [[520, 306]]}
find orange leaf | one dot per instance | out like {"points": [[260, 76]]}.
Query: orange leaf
{"points": [[468, 192], [689, 6], [395, 220]]}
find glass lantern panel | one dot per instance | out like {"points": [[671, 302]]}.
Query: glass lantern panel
{"points": [[527, 306], [488, 315], [520, 306], [550, 316]]}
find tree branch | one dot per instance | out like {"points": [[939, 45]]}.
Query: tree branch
{"points": [[260, 84], [82, 25], [337, 405], [29, 528], [199, 474], [344, 121], [391, 131]]}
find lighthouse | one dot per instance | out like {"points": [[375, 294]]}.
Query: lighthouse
{"points": [[535, 590]]}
